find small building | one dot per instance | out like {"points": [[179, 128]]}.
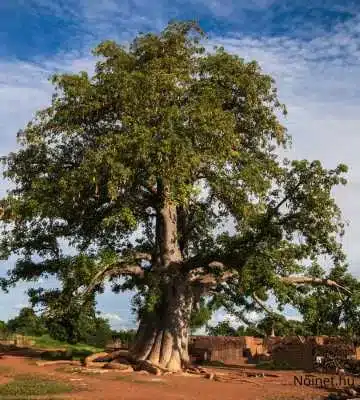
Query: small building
{"points": [[226, 349]]}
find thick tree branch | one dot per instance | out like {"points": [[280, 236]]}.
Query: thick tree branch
{"points": [[219, 275], [122, 267], [267, 309], [308, 280], [112, 270], [139, 256]]}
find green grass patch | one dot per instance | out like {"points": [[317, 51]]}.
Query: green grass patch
{"points": [[46, 341], [62, 351], [32, 385]]}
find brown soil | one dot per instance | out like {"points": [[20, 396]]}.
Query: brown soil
{"points": [[136, 386]]}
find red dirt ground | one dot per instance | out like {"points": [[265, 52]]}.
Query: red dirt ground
{"points": [[120, 386]]}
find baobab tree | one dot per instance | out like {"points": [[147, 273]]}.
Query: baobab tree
{"points": [[162, 170]]}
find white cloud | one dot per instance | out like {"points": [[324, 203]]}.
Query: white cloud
{"points": [[112, 317], [221, 315]]}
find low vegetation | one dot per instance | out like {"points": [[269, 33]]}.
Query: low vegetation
{"points": [[64, 351], [31, 385], [274, 365], [45, 341]]}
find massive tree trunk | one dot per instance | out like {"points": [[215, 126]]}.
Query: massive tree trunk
{"points": [[162, 336]]}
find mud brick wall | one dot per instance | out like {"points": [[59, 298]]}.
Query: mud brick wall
{"points": [[296, 355], [227, 349], [229, 353], [228, 356], [216, 342]]}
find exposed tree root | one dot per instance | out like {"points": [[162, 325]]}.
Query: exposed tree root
{"points": [[151, 368], [58, 362], [96, 365], [196, 370], [119, 365], [122, 362], [104, 358], [119, 353], [90, 360]]}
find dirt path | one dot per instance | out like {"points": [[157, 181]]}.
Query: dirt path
{"points": [[114, 385]]}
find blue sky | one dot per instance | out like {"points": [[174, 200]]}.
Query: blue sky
{"points": [[312, 48]]}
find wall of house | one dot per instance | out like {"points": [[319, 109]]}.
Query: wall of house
{"points": [[228, 354], [296, 355], [227, 349]]}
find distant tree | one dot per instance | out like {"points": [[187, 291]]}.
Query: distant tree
{"points": [[85, 328], [222, 329], [125, 336], [100, 333], [281, 326], [66, 317], [27, 323], [3, 329], [70, 328]]}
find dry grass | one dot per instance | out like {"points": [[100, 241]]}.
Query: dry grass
{"points": [[132, 379], [28, 386]]}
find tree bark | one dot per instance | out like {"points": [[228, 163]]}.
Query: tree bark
{"points": [[162, 337], [168, 239]]}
